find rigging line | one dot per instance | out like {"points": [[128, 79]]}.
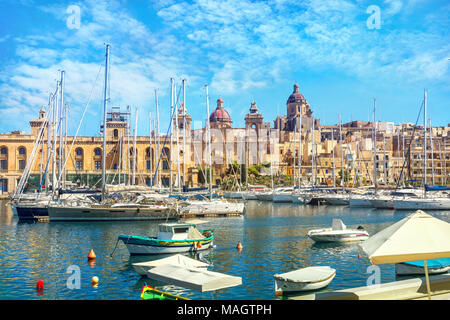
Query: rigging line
{"points": [[409, 147], [79, 125]]}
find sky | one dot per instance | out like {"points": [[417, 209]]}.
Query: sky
{"points": [[342, 54]]}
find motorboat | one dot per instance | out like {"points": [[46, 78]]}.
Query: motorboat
{"points": [[172, 238], [305, 279], [282, 194], [338, 233], [177, 259], [434, 266]]}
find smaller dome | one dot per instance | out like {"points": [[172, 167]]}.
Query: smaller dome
{"points": [[220, 114], [296, 96]]}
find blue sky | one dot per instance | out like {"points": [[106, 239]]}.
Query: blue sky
{"points": [[244, 50]]}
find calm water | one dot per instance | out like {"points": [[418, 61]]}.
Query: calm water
{"points": [[273, 238]]}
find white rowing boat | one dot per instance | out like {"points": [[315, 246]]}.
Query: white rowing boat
{"points": [[310, 278], [338, 233]]}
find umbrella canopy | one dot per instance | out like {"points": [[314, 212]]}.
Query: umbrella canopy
{"points": [[419, 236]]}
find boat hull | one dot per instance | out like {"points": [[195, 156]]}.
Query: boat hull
{"points": [[264, 196], [110, 214], [382, 203], [359, 203], [422, 204], [337, 201], [283, 285], [138, 246], [30, 212], [402, 269], [215, 208], [282, 197]]}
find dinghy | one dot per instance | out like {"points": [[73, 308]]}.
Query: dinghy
{"points": [[338, 233], [310, 278], [434, 266], [177, 259]]}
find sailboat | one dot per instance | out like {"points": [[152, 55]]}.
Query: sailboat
{"points": [[90, 209], [210, 205], [425, 203]]}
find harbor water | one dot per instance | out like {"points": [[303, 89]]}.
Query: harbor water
{"points": [[273, 238]]}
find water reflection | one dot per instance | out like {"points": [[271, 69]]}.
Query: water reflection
{"points": [[273, 238]]}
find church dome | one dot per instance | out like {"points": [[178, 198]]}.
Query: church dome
{"points": [[296, 96], [220, 114]]}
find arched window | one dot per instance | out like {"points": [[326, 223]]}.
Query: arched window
{"points": [[79, 152], [3, 158], [22, 151], [97, 152], [166, 153], [116, 133], [22, 158], [4, 150]]}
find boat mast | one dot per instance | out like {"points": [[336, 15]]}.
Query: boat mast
{"points": [[432, 152], [65, 144], [47, 176], [184, 131], [170, 131], [61, 118], [150, 153], [105, 108], [134, 147], [209, 142], [177, 137], [157, 138], [332, 151], [299, 151], [384, 160], [313, 155], [424, 142], [342, 152], [375, 145], [55, 117]]}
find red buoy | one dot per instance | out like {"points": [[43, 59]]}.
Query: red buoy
{"points": [[40, 286]]}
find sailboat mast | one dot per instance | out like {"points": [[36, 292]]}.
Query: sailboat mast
{"points": [[170, 132], [134, 147], [61, 118], [209, 142], [55, 117], [105, 108], [150, 153], [177, 137], [313, 155], [432, 152], [424, 142], [332, 151], [184, 131], [157, 138], [342, 152], [375, 144], [299, 151]]}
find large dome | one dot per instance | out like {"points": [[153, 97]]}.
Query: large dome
{"points": [[220, 114], [296, 96]]}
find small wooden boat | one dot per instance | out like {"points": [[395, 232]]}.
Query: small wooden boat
{"points": [[338, 233], [434, 266], [172, 238], [310, 278], [149, 293]]}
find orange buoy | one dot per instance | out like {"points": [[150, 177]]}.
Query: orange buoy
{"points": [[199, 245], [239, 246], [91, 255], [94, 281], [40, 286], [359, 256]]}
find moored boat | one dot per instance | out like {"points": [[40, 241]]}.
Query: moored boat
{"points": [[338, 233], [143, 267], [172, 238], [434, 266], [306, 279]]}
